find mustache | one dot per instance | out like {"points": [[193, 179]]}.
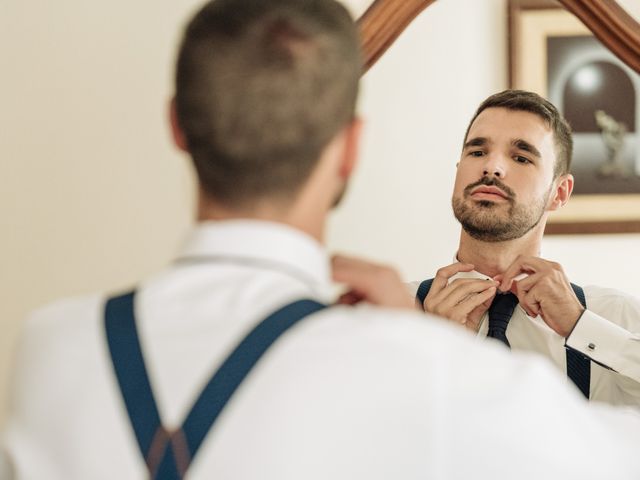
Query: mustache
{"points": [[489, 182]]}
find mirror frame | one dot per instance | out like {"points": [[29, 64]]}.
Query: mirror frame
{"points": [[385, 20]]}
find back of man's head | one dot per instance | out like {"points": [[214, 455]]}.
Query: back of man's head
{"points": [[261, 88]]}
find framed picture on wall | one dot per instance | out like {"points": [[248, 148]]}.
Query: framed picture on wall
{"points": [[553, 54]]}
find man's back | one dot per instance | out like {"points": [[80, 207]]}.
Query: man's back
{"points": [[348, 393]]}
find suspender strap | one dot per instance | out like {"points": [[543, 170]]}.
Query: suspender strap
{"points": [[423, 291], [236, 367], [579, 365], [169, 454], [128, 363]]}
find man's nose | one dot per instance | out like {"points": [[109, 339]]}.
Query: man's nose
{"points": [[495, 165]]}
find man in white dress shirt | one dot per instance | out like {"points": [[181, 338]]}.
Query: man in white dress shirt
{"points": [[513, 172], [264, 105]]}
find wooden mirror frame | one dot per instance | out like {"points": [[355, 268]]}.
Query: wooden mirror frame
{"points": [[385, 20]]}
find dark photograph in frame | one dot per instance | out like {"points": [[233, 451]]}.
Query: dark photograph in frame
{"points": [[552, 53], [596, 93]]}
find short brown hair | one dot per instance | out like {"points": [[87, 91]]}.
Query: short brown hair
{"points": [[520, 100], [262, 86]]}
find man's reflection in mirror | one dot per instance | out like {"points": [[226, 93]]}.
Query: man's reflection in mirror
{"points": [[512, 173]]}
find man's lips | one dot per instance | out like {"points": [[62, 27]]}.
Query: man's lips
{"points": [[488, 192]]}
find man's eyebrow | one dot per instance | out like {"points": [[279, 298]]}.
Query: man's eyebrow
{"points": [[476, 142], [521, 144]]}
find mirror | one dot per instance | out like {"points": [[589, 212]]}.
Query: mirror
{"points": [[609, 201], [417, 100]]}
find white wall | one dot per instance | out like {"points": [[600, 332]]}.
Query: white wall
{"points": [[93, 196]]}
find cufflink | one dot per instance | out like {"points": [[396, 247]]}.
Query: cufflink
{"points": [[591, 346]]}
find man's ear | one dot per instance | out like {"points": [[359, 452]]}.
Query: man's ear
{"points": [[176, 132], [562, 191], [352, 133]]}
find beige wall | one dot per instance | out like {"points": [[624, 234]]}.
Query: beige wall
{"points": [[93, 196]]}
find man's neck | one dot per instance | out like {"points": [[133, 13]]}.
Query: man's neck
{"points": [[295, 216], [493, 258]]}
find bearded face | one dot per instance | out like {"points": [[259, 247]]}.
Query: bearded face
{"points": [[496, 221], [505, 180]]}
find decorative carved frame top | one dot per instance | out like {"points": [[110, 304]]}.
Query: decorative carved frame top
{"points": [[385, 20]]}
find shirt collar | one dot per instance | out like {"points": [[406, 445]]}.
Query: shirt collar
{"points": [[471, 274], [262, 243]]}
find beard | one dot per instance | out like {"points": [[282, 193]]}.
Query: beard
{"points": [[484, 220]]}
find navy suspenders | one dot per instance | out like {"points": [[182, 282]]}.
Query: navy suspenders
{"points": [[168, 454], [578, 365]]}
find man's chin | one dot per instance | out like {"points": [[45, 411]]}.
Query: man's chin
{"points": [[483, 224]]}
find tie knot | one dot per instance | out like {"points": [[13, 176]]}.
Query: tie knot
{"points": [[503, 306]]}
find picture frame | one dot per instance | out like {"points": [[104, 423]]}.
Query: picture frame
{"points": [[610, 201]]}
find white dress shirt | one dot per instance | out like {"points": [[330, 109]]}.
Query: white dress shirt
{"points": [[607, 332], [348, 393]]}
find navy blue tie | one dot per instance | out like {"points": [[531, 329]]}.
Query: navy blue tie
{"points": [[499, 315]]}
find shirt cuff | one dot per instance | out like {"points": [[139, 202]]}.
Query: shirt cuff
{"points": [[599, 339]]}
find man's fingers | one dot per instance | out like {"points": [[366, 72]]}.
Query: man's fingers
{"points": [[526, 283], [462, 299], [441, 280], [472, 319], [458, 290], [472, 302], [521, 265], [529, 301], [347, 269], [470, 310], [350, 298], [374, 283], [361, 276]]}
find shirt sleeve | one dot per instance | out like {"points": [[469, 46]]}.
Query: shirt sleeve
{"points": [[608, 344], [609, 332], [21, 455], [48, 348]]}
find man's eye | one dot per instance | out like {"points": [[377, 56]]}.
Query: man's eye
{"points": [[476, 153], [521, 159]]}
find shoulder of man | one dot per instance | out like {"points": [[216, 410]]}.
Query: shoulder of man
{"points": [[609, 294], [57, 334], [412, 333], [60, 316]]}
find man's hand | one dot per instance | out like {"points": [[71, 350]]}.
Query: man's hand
{"points": [[372, 283], [545, 291], [464, 300]]}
